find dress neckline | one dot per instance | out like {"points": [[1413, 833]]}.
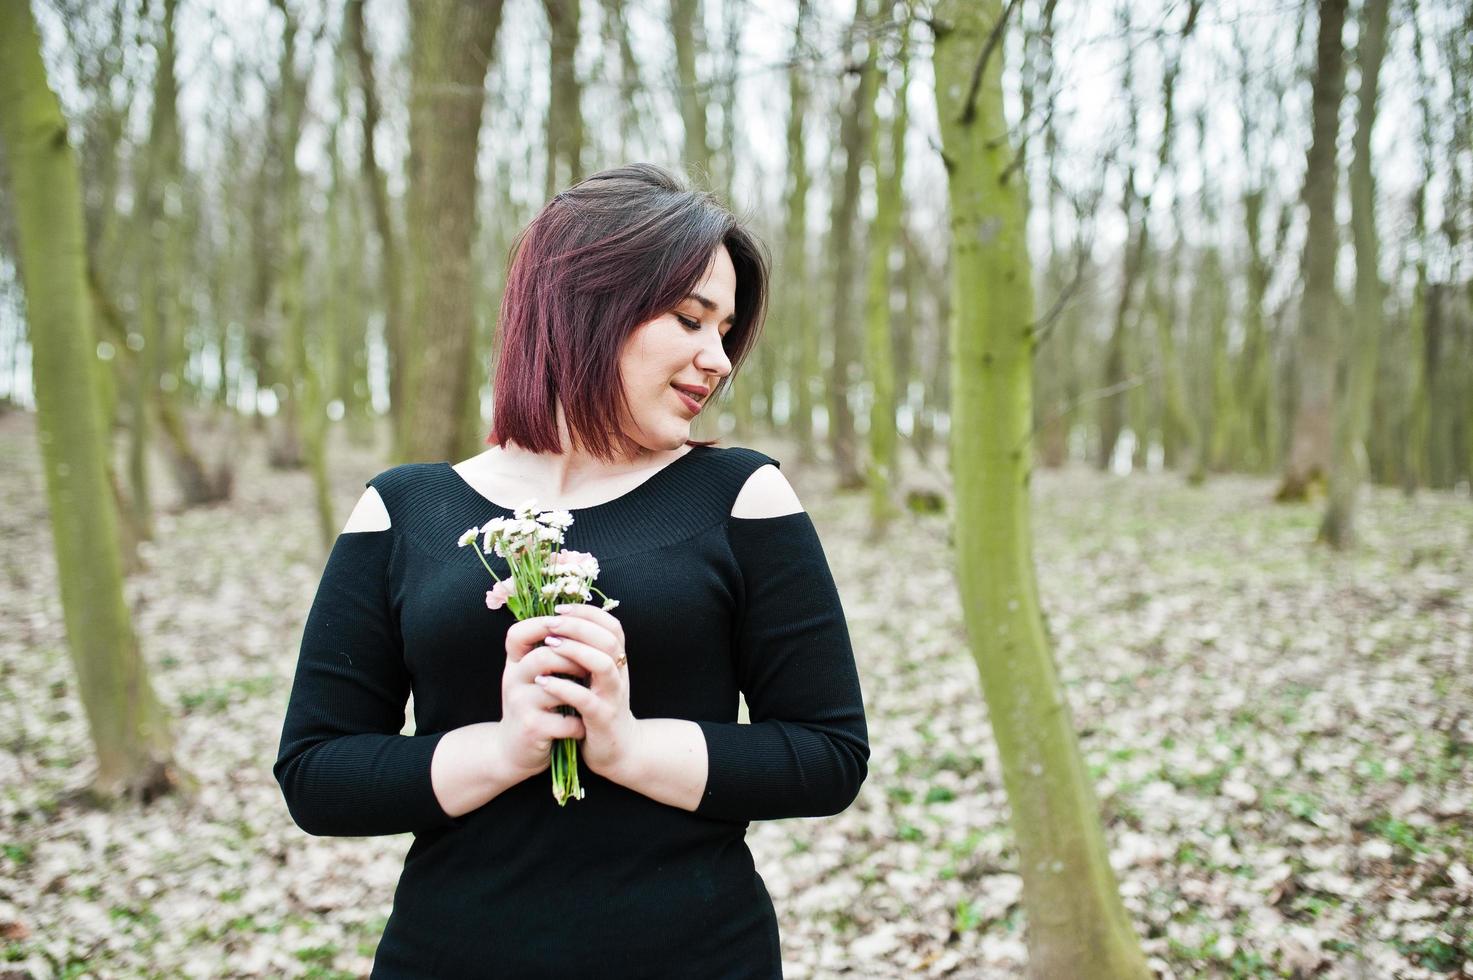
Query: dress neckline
{"points": [[648, 484]]}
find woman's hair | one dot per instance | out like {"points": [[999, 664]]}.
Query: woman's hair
{"points": [[608, 254]]}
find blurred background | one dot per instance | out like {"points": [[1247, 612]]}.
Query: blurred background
{"points": [[1249, 227]]}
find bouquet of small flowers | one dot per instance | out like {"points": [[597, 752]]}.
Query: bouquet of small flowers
{"points": [[543, 575]]}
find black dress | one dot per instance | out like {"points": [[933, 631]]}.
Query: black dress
{"points": [[615, 885]]}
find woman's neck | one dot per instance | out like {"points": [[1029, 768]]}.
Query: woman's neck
{"points": [[560, 474]]}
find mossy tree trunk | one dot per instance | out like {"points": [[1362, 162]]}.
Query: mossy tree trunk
{"points": [[1308, 464], [163, 308], [1114, 382], [450, 51], [129, 727], [304, 418], [564, 110], [687, 30], [1077, 925], [854, 124], [879, 361], [1358, 363], [390, 241], [796, 291]]}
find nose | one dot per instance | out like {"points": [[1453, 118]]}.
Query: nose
{"points": [[711, 357]]}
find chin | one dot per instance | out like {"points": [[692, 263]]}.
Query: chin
{"points": [[670, 435]]}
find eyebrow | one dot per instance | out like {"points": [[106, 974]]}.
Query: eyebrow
{"points": [[710, 306]]}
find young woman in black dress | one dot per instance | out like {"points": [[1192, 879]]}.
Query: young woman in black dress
{"points": [[630, 301]]}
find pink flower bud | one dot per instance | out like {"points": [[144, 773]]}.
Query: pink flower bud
{"points": [[496, 598]]}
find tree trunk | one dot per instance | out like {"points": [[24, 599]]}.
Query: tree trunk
{"points": [[108, 324], [129, 726], [686, 29], [796, 291], [1077, 925], [879, 364], [1255, 363], [1309, 451], [1358, 365], [162, 306], [304, 422], [564, 114], [390, 250], [1134, 209], [450, 51], [631, 88], [854, 141]]}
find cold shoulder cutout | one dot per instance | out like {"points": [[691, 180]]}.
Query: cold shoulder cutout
{"points": [[369, 514], [767, 493]]}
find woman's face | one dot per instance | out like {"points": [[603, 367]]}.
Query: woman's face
{"points": [[684, 348]]}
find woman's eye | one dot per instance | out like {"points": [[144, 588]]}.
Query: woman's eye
{"points": [[688, 322]]}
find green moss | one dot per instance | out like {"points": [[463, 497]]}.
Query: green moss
{"points": [[939, 794], [965, 917]]}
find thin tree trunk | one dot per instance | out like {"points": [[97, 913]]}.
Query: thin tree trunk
{"points": [[686, 29], [854, 142], [1309, 452], [564, 113], [451, 46], [1358, 365], [108, 324], [879, 364], [390, 249], [797, 306], [304, 421], [1134, 209], [129, 727], [1414, 465], [1077, 925]]}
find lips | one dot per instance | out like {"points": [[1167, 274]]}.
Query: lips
{"points": [[690, 402]]}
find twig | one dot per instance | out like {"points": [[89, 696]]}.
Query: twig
{"points": [[969, 107]]}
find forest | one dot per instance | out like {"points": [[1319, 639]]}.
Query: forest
{"points": [[1122, 353]]}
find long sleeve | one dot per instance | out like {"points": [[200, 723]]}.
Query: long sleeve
{"points": [[343, 766], [806, 751]]}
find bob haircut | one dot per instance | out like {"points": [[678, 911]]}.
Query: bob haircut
{"points": [[608, 254]]}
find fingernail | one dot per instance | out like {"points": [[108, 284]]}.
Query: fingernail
{"points": [[540, 680], [553, 641], [554, 623]]}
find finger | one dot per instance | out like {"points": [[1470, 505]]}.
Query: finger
{"points": [[525, 634], [593, 614], [531, 698], [544, 660], [589, 632], [560, 726], [574, 695], [598, 663]]}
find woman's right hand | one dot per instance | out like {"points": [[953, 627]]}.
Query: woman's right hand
{"points": [[530, 721]]}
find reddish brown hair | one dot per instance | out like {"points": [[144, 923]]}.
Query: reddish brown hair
{"points": [[614, 251]]}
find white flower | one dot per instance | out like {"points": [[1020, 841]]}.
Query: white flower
{"points": [[558, 519], [468, 537], [550, 534], [611, 604], [527, 510]]}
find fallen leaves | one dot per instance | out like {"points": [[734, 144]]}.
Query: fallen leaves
{"points": [[1280, 740]]}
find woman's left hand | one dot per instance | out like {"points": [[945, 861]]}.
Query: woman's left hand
{"points": [[594, 639]]}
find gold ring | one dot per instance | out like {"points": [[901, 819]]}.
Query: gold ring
{"points": [[621, 661]]}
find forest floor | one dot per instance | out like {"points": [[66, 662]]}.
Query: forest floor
{"points": [[1280, 740]]}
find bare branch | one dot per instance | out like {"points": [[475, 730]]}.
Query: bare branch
{"points": [[969, 107]]}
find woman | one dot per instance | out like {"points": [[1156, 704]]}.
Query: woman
{"points": [[628, 300]]}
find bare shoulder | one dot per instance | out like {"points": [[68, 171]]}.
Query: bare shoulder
{"points": [[766, 493], [369, 515]]}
